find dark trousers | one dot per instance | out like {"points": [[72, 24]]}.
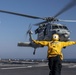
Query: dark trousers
{"points": [[55, 65]]}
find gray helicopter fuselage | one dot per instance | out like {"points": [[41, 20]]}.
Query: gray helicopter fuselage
{"points": [[46, 31]]}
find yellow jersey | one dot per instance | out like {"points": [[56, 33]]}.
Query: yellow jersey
{"points": [[55, 47]]}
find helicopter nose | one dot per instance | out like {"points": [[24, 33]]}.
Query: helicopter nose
{"points": [[66, 35]]}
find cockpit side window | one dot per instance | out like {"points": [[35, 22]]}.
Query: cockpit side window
{"points": [[61, 27], [54, 27], [65, 27]]}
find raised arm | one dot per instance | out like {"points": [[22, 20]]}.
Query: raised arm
{"points": [[44, 43], [69, 43]]}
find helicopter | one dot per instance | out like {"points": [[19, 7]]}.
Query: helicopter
{"points": [[46, 28]]}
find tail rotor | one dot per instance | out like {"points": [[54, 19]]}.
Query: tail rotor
{"points": [[29, 32]]}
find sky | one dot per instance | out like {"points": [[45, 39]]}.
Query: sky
{"points": [[13, 28]]}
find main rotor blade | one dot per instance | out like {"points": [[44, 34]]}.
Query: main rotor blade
{"points": [[67, 20], [23, 15], [67, 7]]}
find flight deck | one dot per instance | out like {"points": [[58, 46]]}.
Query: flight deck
{"points": [[35, 69]]}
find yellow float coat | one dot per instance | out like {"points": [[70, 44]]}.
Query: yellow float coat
{"points": [[55, 47]]}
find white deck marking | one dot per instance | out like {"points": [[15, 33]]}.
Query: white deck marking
{"points": [[72, 66], [16, 67]]}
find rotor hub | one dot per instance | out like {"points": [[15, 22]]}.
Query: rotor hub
{"points": [[50, 19]]}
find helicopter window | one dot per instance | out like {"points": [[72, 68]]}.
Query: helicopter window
{"points": [[36, 31], [54, 27], [61, 27], [65, 27]]}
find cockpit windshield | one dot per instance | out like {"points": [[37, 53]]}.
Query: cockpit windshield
{"points": [[59, 27]]}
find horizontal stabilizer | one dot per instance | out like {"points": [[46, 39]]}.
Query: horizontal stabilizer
{"points": [[25, 44]]}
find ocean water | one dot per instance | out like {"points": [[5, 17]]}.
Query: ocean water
{"points": [[70, 60]]}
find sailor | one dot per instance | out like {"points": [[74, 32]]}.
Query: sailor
{"points": [[54, 53]]}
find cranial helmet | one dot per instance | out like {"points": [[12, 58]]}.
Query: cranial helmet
{"points": [[55, 37]]}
